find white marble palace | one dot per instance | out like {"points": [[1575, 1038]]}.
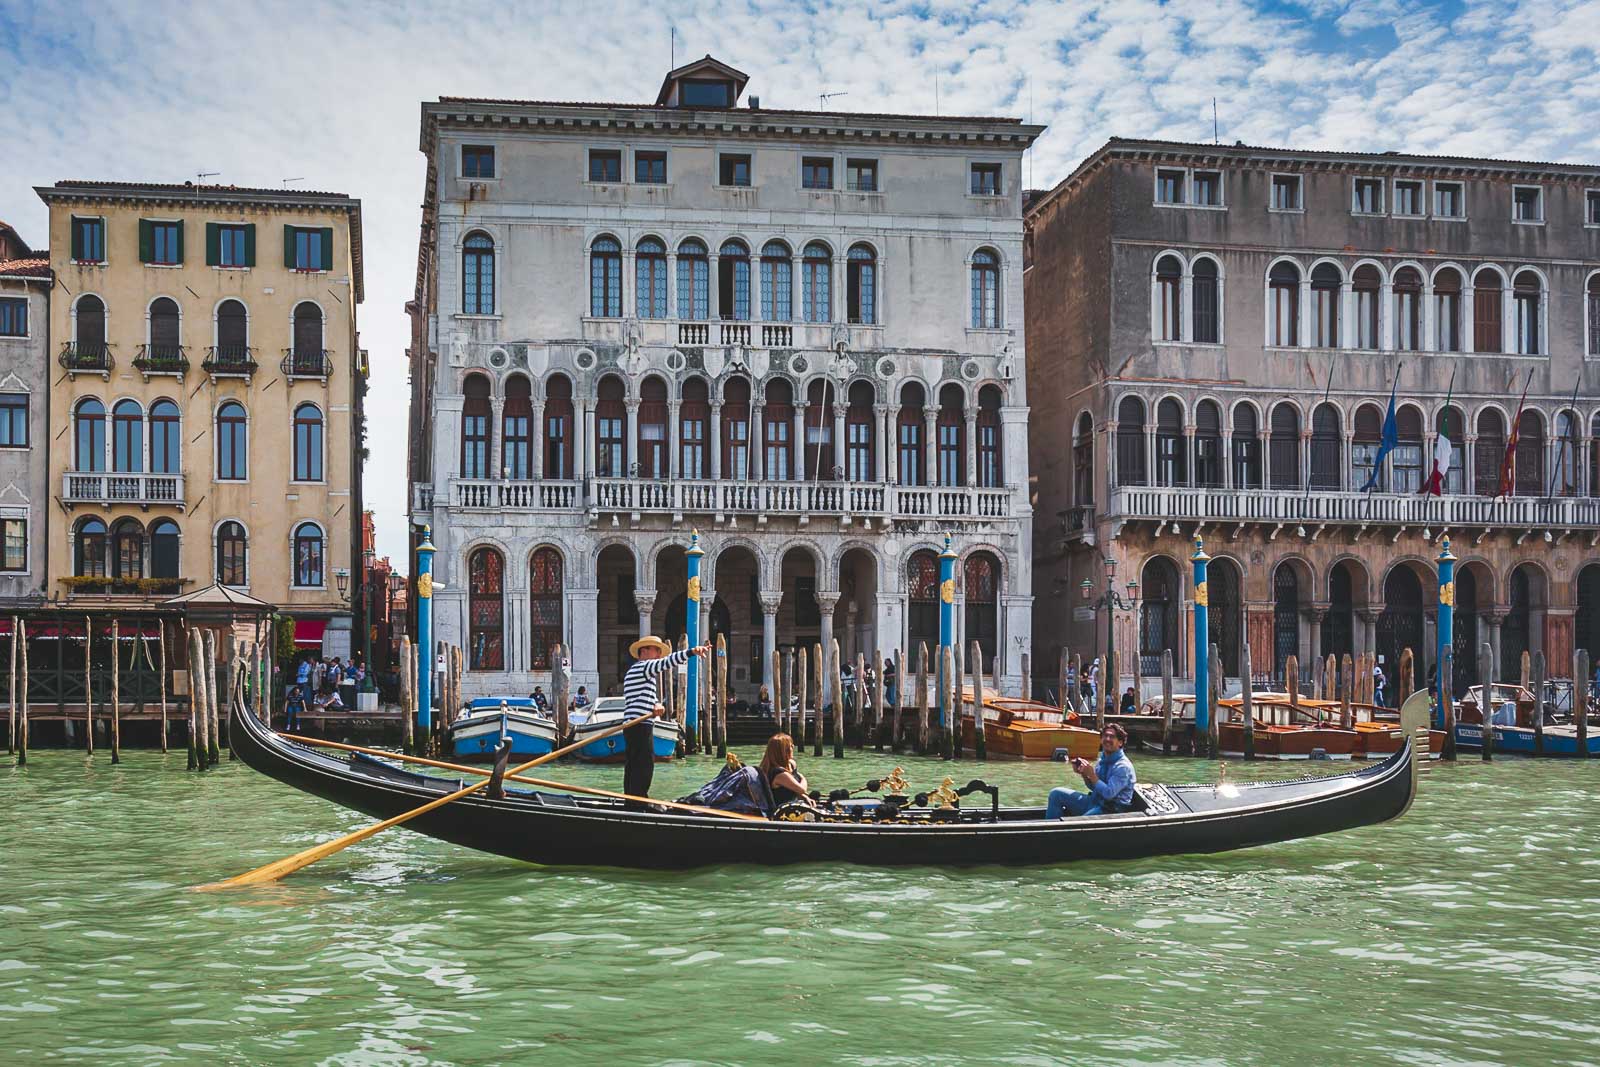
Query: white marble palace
{"points": [[799, 332]]}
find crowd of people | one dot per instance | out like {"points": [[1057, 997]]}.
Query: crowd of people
{"points": [[317, 684]]}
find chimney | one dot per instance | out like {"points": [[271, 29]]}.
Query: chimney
{"points": [[754, 102]]}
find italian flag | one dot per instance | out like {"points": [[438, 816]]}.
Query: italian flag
{"points": [[1442, 452]]}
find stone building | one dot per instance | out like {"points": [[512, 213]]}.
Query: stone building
{"points": [[799, 332], [25, 283], [207, 392], [1219, 330]]}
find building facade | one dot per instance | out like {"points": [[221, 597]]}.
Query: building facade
{"points": [[207, 389], [1221, 330], [797, 332], [25, 284]]}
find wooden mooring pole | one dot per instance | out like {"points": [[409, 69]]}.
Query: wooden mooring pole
{"points": [[952, 681], [980, 746], [1486, 672], [776, 690], [11, 705], [213, 706], [1166, 701], [1447, 713], [902, 678], [1025, 689], [116, 695], [161, 676], [821, 675], [837, 692], [803, 677], [192, 657], [860, 699], [1247, 705], [924, 696], [720, 697], [1580, 700], [1538, 702], [1214, 724], [19, 633], [88, 687], [877, 700]]}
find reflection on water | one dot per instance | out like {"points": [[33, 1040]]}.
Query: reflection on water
{"points": [[1464, 933]]}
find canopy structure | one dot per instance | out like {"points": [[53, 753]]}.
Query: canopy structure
{"points": [[308, 632], [220, 604]]}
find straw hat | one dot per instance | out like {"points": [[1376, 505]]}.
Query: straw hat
{"points": [[648, 642]]}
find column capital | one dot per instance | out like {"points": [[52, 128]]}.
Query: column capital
{"points": [[826, 602], [770, 603], [1368, 615], [644, 599]]}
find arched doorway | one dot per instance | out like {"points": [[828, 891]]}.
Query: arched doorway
{"points": [[1586, 625], [1224, 614], [1159, 596], [800, 617], [616, 577], [981, 582], [1473, 589], [1400, 626], [1285, 617], [1524, 622], [736, 615], [1347, 586], [855, 616]]}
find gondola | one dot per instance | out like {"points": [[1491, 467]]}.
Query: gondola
{"points": [[559, 829]]}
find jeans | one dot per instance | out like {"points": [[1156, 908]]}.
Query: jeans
{"points": [[1066, 802]]}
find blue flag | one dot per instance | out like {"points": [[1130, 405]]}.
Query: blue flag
{"points": [[1386, 443]]}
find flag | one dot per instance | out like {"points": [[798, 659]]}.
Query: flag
{"points": [[1386, 443], [1442, 454], [1508, 462]]}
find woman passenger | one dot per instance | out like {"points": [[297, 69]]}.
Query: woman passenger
{"points": [[777, 769]]}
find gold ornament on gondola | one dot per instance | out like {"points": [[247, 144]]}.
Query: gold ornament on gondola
{"points": [[734, 762], [945, 795], [896, 782]]}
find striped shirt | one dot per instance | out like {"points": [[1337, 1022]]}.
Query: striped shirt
{"points": [[639, 684]]}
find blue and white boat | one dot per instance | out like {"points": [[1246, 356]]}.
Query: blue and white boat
{"points": [[607, 712], [475, 734], [1509, 704]]}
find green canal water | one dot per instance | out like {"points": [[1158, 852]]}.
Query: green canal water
{"points": [[1466, 933]]}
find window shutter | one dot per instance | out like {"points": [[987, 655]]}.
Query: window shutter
{"points": [[288, 247], [213, 244], [250, 245], [77, 239], [146, 241], [327, 247], [180, 240]]}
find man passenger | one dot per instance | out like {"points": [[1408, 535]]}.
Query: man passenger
{"points": [[1110, 781]]}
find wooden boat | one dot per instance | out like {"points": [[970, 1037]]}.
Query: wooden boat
{"points": [[552, 828], [1026, 729], [1558, 740], [474, 735], [607, 712]]}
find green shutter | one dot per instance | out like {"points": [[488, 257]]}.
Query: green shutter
{"points": [[250, 245], [147, 241], [180, 240], [288, 247], [327, 248], [77, 237], [213, 245]]}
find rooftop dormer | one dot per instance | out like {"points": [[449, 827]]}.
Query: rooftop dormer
{"points": [[706, 82]]}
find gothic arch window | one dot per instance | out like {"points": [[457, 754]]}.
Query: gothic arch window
{"points": [[650, 278], [476, 413], [1367, 285], [308, 437], [909, 425], [164, 561], [991, 469], [89, 326], [733, 281], [982, 586], [1327, 447], [1284, 444], [1205, 290], [1528, 291], [308, 354], [816, 283], [777, 282], [558, 427], [89, 549], [127, 437], [694, 417], [1083, 463], [486, 610], [233, 442], [1530, 454], [1408, 309], [694, 281], [1130, 442], [165, 438], [1169, 299], [1447, 309], [89, 435], [1488, 334], [861, 285], [1406, 459], [1159, 601], [652, 422], [544, 621], [166, 337], [922, 599], [1246, 448], [605, 278], [1364, 446], [127, 549], [1172, 467], [1208, 444], [735, 443], [516, 429], [1326, 285], [859, 439], [477, 274], [952, 428], [985, 289], [1283, 293], [1489, 452]]}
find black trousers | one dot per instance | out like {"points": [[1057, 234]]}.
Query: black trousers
{"points": [[639, 762]]}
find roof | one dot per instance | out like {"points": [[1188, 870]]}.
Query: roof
{"points": [[724, 114], [216, 595], [31, 267], [189, 192]]}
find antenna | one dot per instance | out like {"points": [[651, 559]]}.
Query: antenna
{"points": [[1215, 137], [672, 47], [286, 181], [823, 98], [935, 92], [200, 179]]}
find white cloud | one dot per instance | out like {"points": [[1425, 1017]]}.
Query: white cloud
{"points": [[330, 92]]}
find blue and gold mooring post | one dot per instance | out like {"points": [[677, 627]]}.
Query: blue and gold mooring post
{"points": [[947, 627], [425, 654], [691, 704], [1446, 627], [1202, 642]]}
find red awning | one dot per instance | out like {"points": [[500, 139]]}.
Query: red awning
{"points": [[309, 631]]}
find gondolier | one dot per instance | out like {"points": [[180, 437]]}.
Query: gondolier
{"points": [[653, 657]]}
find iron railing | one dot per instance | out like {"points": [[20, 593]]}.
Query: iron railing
{"points": [[230, 361], [162, 359], [307, 363], [91, 358]]}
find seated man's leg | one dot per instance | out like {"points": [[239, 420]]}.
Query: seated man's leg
{"points": [[1066, 802]]}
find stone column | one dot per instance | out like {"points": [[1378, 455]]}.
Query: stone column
{"points": [[497, 439], [714, 440], [674, 464], [583, 435], [1191, 458], [1367, 637], [1305, 454], [1304, 326], [1346, 314], [1495, 618], [930, 444], [708, 597], [672, 283], [797, 443], [1347, 474], [756, 468], [628, 282], [1227, 458], [630, 437], [885, 414], [536, 442], [1468, 334], [645, 600], [583, 635], [713, 288], [1109, 451], [1385, 316], [1508, 331], [770, 603], [1311, 637], [1469, 463], [838, 436], [826, 602], [972, 447]]}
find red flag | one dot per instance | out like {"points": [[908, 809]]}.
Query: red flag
{"points": [[1508, 461]]}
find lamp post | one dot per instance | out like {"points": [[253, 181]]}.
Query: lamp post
{"points": [[425, 552], [1446, 627], [1111, 601], [365, 587]]}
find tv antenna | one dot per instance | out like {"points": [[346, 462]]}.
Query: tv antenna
{"points": [[823, 98], [286, 181], [200, 179], [1215, 136]]}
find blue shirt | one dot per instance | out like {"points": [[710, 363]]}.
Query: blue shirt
{"points": [[302, 674], [1117, 779]]}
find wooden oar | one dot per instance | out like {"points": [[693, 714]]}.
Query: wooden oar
{"points": [[278, 868], [462, 768]]}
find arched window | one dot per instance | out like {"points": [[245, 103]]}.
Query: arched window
{"points": [[486, 588], [820, 458], [1205, 285], [777, 282], [1406, 459], [922, 600], [694, 415], [1488, 453], [909, 424], [164, 549], [308, 443], [1593, 332], [610, 418], [89, 549], [652, 421], [735, 443], [1158, 614], [982, 586], [127, 549], [1246, 448], [991, 473], [1285, 617], [605, 278], [1530, 454], [694, 281], [558, 427], [1284, 444], [516, 430], [544, 622], [233, 330], [89, 435], [477, 274], [1130, 442], [1407, 309], [127, 437], [1283, 284], [1327, 447], [1171, 455], [164, 438], [1453, 427], [233, 451], [985, 290], [777, 416], [1208, 444], [650, 278], [233, 549], [1568, 475], [952, 427], [858, 435], [1488, 335], [1083, 463], [861, 285], [1528, 289], [1447, 309], [1326, 282], [816, 283], [308, 353], [166, 341], [90, 326], [308, 555], [476, 412], [1368, 286], [733, 281], [1169, 299], [1594, 458], [1364, 446]]}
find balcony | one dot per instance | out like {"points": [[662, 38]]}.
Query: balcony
{"points": [[102, 585], [733, 333], [230, 361], [307, 363], [105, 488], [694, 334], [87, 358], [161, 359], [1527, 513], [775, 336], [421, 498], [671, 333], [519, 496]]}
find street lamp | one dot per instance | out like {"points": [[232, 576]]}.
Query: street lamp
{"points": [[368, 555], [341, 578], [1111, 600]]}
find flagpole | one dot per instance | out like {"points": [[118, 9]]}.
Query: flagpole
{"points": [[1386, 441], [1561, 453], [1326, 392], [1505, 487], [1449, 393]]}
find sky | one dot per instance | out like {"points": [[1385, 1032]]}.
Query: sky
{"points": [[329, 94]]}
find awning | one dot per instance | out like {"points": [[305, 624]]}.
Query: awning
{"points": [[309, 631]]}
